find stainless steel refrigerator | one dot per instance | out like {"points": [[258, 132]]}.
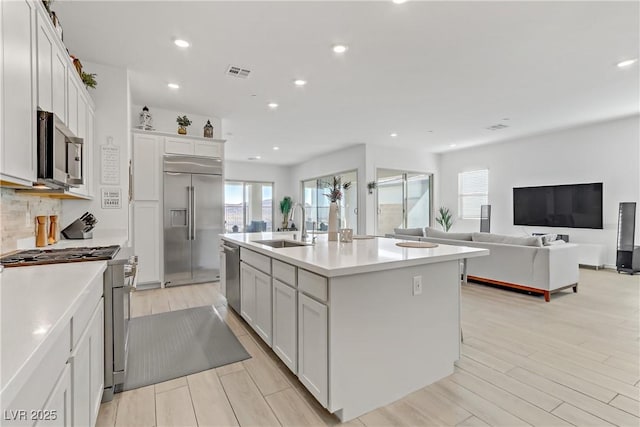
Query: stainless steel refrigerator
{"points": [[193, 219]]}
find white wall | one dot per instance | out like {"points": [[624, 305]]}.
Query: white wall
{"points": [[404, 160], [333, 163], [111, 98], [165, 121], [606, 152]]}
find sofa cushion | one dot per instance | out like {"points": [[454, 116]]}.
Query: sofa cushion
{"points": [[535, 241], [409, 231], [437, 234]]}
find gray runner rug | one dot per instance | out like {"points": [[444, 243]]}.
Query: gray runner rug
{"points": [[170, 345]]}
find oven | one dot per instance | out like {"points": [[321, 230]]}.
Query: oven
{"points": [[119, 283]]}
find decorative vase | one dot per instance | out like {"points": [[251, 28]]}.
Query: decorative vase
{"points": [[182, 130], [333, 222]]}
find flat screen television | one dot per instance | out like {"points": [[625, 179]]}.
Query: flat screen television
{"points": [[573, 206]]}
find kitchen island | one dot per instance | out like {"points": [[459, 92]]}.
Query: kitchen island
{"points": [[361, 324]]}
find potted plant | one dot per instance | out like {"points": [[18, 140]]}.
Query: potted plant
{"points": [[183, 122], [285, 208], [89, 80], [445, 219]]}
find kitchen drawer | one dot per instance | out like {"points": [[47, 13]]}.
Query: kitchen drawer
{"points": [[178, 146], [312, 284], [81, 318], [254, 259], [42, 381], [207, 148], [286, 273]]}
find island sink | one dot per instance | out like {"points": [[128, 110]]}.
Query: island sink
{"points": [[281, 243]]}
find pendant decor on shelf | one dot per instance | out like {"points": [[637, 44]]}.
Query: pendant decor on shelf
{"points": [[208, 130], [146, 120], [335, 188]]}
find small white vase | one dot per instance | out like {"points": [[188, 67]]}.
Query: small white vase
{"points": [[333, 222]]}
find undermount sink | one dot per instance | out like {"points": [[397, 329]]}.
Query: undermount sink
{"points": [[281, 243]]}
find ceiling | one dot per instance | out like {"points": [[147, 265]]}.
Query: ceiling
{"points": [[435, 73]]}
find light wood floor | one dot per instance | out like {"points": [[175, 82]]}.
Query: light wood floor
{"points": [[573, 361]]}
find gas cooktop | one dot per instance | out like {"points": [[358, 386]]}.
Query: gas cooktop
{"points": [[56, 256]]}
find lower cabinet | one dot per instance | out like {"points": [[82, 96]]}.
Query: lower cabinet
{"points": [[285, 331], [57, 410], [313, 368], [255, 296]]}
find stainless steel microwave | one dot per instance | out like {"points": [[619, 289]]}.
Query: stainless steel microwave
{"points": [[60, 153]]}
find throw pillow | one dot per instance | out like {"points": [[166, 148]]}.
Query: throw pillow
{"points": [[409, 231], [437, 234]]}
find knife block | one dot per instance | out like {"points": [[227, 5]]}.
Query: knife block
{"points": [[75, 231]]}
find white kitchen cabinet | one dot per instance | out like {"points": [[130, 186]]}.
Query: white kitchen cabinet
{"points": [[89, 153], [87, 370], [313, 348], [285, 338], [18, 92], [193, 147], [72, 103], [57, 410], [59, 84], [147, 240], [146, 167], [255, 300], [81, 132], [45, 51]]}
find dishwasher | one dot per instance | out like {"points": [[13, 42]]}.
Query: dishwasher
{"points": [[232, 275]]}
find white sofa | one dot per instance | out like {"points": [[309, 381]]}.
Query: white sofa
{"points": [[516, 262]]}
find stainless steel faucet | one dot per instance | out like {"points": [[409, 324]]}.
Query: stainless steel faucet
{"points": [[304, 235]]}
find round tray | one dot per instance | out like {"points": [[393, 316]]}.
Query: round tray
{"points": [[363, 236], [417, 245]]}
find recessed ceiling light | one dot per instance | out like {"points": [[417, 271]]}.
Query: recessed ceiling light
{"points": [[181, 43], [399, 1], [272, 105], [173, 86], [452, 145], [626, 63], [393, 135], [299, 82], [340, 48], [276, 148]]}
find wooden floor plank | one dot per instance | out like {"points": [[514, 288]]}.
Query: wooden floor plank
{"points": [[174, 408], [248, 404], [291, 409], [626, 404], [472, 421], [137, 407], [262, 370], [578, 417], [210, 403], [107, 413], [229, 369]]}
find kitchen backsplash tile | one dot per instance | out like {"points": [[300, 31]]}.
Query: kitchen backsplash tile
{"points": [[17, 216]]}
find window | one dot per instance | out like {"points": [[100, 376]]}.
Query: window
{"points": [[248, 206], [317, 204], [404, 200], [473, 192]]}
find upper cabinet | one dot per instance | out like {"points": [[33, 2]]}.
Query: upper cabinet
{"points": [[194, 147], [17, 90], [37, 75]]}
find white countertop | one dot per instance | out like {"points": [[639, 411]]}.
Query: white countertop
{"points": [[332, 259], [37, 303], [100, 238]]}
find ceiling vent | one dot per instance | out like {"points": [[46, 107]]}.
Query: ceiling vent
{"points": [[241, 73], [499, 126]]}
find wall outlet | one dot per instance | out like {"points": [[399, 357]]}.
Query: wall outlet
{"points": [[417, 285]]}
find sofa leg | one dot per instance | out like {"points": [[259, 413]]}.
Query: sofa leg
{"points": [[575, 289], [547, 296]]}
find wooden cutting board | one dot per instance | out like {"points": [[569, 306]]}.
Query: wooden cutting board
{"points": [[417, 245]]}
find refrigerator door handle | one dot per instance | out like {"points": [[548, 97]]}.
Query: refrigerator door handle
{"points": [[193, 213], [189, 213]]}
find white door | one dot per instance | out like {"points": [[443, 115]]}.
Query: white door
{"points": [[263, 306], [223, 273], [146, 167], [247, 293], [96, 328], [285, 338], [45, 49], [72, 102], [313, 347], [57, 410], [146, 238], [59, 84]]}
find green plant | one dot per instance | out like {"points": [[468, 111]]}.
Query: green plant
{"points": [[183, 121], [335, 188], [285, 205], [445, 219], [89, 80]]}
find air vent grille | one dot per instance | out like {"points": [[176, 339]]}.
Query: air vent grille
{"points": [[499, 126], [239, 72]]}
